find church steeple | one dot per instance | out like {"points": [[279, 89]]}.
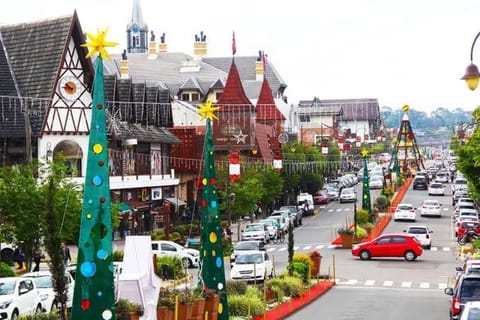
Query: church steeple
{"points": [[137, 31]]}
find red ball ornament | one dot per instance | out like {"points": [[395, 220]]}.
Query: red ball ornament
{"points": [[102, 199], [101, 163], [213, 181], [85, 304], [204, 203], [99, 106]]}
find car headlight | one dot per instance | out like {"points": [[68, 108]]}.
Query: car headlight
{"points": [[5, 304]]}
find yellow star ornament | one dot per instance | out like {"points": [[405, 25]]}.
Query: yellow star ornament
{"points": [[364, 153], [98, 44], [207, 111]]}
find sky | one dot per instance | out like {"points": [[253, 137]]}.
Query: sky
{"points": [[398, 51]]}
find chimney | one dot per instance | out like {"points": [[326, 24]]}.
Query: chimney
{"points": [[162, 46], [124, 66], [200, 46], [259, 67], [152, 47]]}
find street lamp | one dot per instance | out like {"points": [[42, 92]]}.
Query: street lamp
{"points": [[472, 75]]}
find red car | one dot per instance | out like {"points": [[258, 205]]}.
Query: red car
{"points": [[463, 227], [321, 197], [389, 245]]}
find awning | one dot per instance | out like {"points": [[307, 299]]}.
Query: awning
{"points": [[176, 201], [124, 207]]}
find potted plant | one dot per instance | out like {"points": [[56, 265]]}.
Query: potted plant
{"points": [[185, 305], [127, 310], [166, 305], [346, 234], [198, 309], [212, 299], [316, 259]]}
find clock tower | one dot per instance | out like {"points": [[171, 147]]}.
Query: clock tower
{"points": [[137, 31]]}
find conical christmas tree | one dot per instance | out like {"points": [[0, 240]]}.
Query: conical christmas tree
{"points": [[94, 296], [366, 202], [406, 149], [211, 252]]}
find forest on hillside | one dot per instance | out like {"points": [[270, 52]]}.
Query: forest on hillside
{"points": [[441, 117]]}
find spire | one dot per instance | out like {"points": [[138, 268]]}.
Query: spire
{"points": [[137, 17], [234, 92], [266, 108]]}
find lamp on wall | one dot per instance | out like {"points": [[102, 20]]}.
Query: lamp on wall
{"points": [[49, 151]]}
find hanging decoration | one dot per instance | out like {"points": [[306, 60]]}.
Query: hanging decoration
{"points": [[211, 251], [277, 161], [94, 296], [234, 165]]}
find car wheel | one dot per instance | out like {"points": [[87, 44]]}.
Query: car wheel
{"points": [[428, 247], [190, 263], [410, 255], [185, 263], [364, 255], [14, 315], [39, 309]]}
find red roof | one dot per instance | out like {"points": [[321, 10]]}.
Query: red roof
{"points": [[262, 132], [266, 108], [233, 93]]}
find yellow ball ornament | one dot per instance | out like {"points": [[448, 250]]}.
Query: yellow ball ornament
{"points": [[213, 237]]}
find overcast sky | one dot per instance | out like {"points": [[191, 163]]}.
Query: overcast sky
{"points": [[399, 51]]}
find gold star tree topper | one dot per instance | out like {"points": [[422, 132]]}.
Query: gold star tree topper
{"points": [[207, 111], [98, 44], [364, 152]]}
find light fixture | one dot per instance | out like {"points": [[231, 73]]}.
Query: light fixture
{"points": [[472, 75], [254, 150]]}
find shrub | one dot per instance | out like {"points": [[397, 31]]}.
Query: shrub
{"points": [[382, 202], [157, 235], [227, 246], [41, 316], [253, 291], [238, 305], [169, 267], [6, 271], [236, 287], [291, 286], [182, 230], [303, 258], [300, 269], [117, 255], [362, 216], [361, 232]]}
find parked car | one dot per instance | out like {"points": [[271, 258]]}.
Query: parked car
{"points": [[252, 266], [332, 192], [462, 227], [18, 297], [466, 200], [296, 213], [463, 206], [285, 213], [348, 195], [280, 221], [459, 183], [469, 266], [245, 247], [389, 245], [404, 211], [461, 193], [431, 208], [467, 288], [376, 182], [321, 197], [188, 256], [270, 226], [472, 213], [436, 189], [420, 183], [422, 234], [255, 231], [44, 283], [305, 202], [471, 311]]}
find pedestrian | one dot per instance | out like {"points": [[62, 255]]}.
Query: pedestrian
{"points": [[17, 257], [37, 258], [66, 254]]}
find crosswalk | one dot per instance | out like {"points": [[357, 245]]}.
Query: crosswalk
{"points": [[326, 246], [390, 284]]}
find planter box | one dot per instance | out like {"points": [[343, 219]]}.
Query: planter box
{"points": [[165, 313], [347, 240], [198, 310], [211, 306]]}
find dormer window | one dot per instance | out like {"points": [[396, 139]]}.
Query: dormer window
{"points": [[190, 96]]}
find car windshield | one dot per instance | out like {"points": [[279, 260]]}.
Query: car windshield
{"points": [[471, 289], [7, 287], [267, 222], [417, 230], [253, 227], [247, 246], [347, 191], [249, 258], [436, 185], [430, 203], [43, 282]]}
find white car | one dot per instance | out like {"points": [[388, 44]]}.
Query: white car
{"points": [[441, 177], [252, 266], [422, 233], [270, 225], [348, 194], [404, 211], [188, 256], [44, 283], [436, 189], [431, 208], [280, 221], [376, 182], [18, 297], [467, 213], [283, 213], [332, 192], [470, 311], [463, 206], [256, 231], [243, 247]]}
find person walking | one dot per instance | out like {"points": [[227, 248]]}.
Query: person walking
{"points": [[66, 254]]}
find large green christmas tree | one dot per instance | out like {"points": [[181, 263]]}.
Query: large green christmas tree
{"points": [[211, 252], [366, 202], [94, 291]]}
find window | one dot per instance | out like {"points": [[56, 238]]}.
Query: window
{"points": [[304, 118], [185, 97], [195, 97], [155, 246], [218, 95], [168, 247], [385, 240], [398, 240]]}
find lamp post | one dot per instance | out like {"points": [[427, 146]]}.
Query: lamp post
{"points": [[472, 75]]}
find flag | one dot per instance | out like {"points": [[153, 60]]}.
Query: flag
{"points": [[234, 46]]}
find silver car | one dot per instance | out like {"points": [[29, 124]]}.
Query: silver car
{"points": [[255, 231]]}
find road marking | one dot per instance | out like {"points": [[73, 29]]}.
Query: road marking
{"points": [[350, 282], [433, 249], [424, 285], [369, 282], [347, 209], [446, 248], [387, 283], [338, 210], [406, 284], [330, 210], [307, 248], [271, 249], [320, 247]]}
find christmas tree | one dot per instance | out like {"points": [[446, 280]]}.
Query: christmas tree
{"points": [[211, 252], [94, 296], [366, 203]]}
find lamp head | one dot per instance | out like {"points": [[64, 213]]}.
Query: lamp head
{"points": [[472, 76]]}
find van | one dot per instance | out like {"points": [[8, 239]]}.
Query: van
{"points": [[305, 202]]}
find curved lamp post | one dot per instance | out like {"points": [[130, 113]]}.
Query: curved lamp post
{"points": [[472, 75]]}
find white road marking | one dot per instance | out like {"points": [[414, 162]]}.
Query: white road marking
{"points": [[442, 286], [433, 249], [282, 249], [406, 284], [387, 283], [271, 249], [369, 282], [446, 248], [307, 248], [319, 247], [424, 285]]}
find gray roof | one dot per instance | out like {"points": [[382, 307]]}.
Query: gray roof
{"points": [[352, 109], [123, 130]]}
